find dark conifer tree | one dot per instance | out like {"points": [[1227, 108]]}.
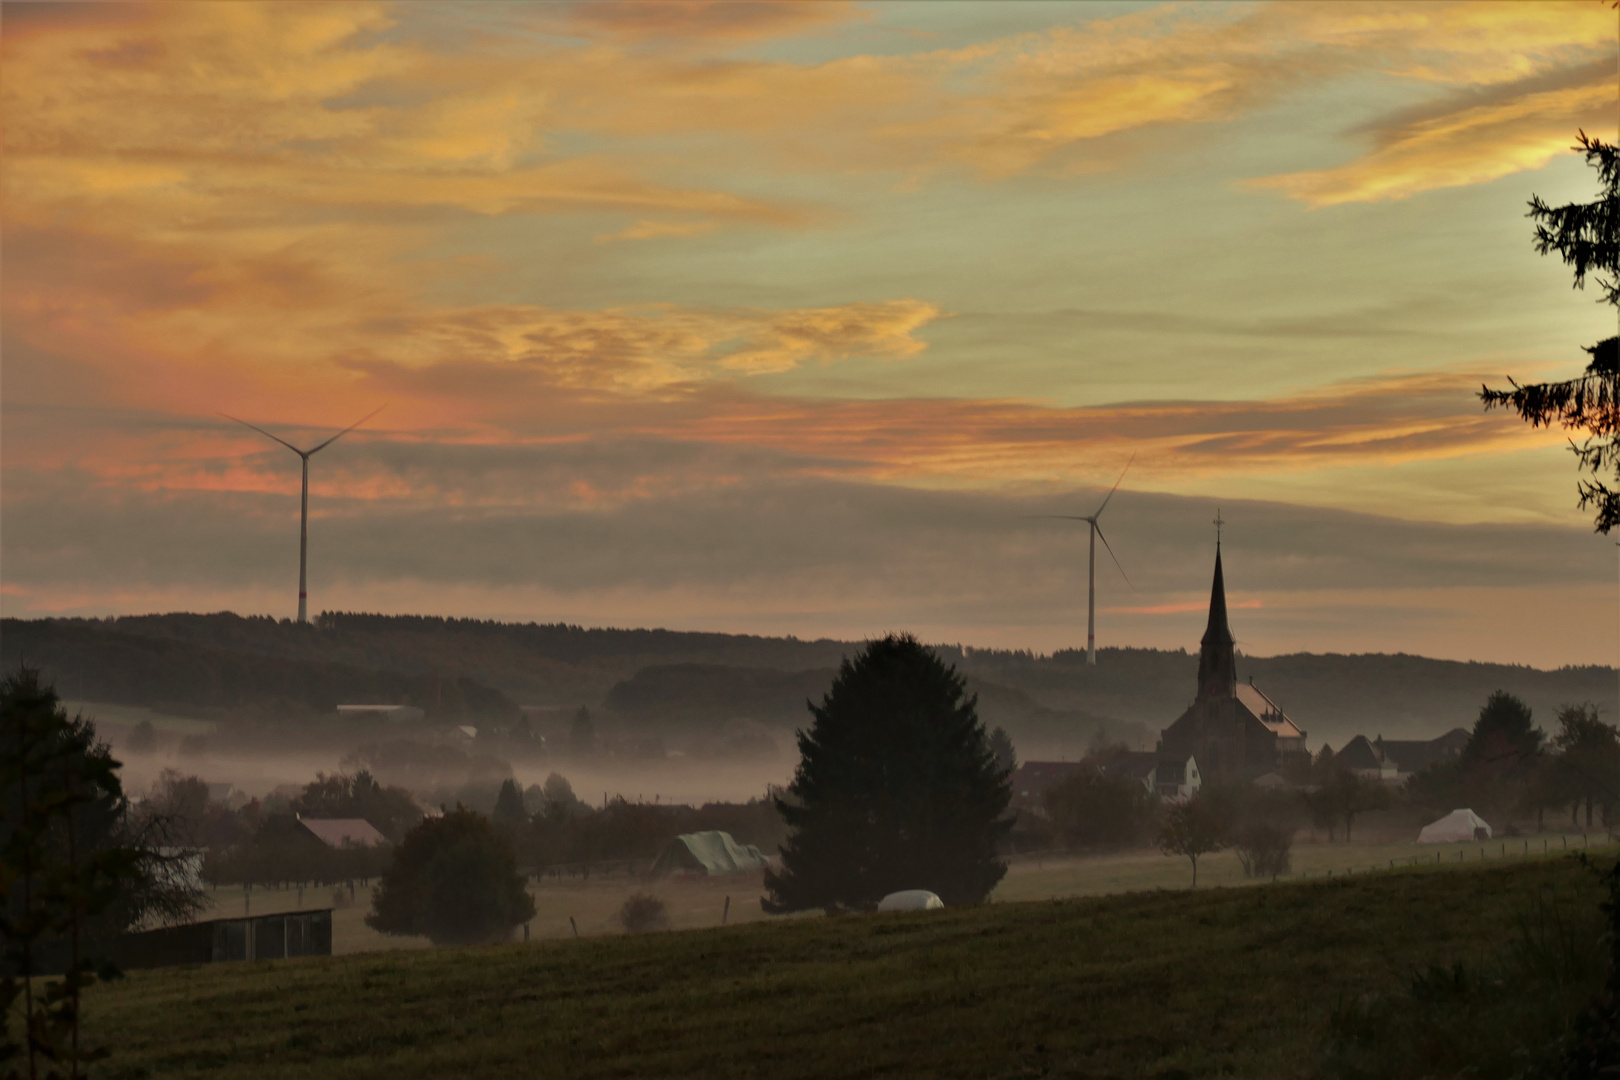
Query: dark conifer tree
{"points": [[1503, 734], [1587, 237], [1001, 745], [897, 788], [509, 805]]}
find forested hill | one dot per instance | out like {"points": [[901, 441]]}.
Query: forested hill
{"points": [[474, 667], [103, 661]]}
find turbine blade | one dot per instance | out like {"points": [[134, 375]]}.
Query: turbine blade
{"points": [[1052, 517], [1115, 488], [1111, 555], [348, 429], [266, 434]]}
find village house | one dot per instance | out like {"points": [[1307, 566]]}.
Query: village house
{"points": [[1393, 761]]}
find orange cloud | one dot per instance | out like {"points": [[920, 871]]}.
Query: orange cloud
{"points": [[1038, 97], [210, 204], [709, 20], [254, 118], [1385, 420], [1181, 608], [654, 230], [1471, 145], [537, 400]]}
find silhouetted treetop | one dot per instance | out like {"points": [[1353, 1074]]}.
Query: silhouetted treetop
{"points": [[1587, 237]]}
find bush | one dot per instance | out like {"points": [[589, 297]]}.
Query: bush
{"points": [[1097, 810], [1508, 1014], [1265, 849], [643, 912], [453, 880]]}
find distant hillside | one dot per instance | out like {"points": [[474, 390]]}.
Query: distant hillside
{"points": [[533, 664], [1334, 697], [698, 694], [97, 661], [1052, 704]]}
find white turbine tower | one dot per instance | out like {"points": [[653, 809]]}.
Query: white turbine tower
{"points": [[303, 513], [1091, 579]]}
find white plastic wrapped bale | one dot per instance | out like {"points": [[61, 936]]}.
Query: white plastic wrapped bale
{"points": [[910, 900], [1459, 825]]}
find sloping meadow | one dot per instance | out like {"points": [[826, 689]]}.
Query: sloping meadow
{"points": [[1247, 982]]}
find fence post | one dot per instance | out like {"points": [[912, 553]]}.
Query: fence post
{"points": [[725, 912]]}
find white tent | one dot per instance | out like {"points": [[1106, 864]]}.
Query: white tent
{"points": [[1455, 826], [910, 900], [712, 854]]}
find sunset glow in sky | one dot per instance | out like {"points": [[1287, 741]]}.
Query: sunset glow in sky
{"points": [[780, 317]]}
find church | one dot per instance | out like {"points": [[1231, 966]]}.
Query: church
{"points": [[1233, 730]]}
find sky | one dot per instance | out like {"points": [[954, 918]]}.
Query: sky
{"points": [[792, 318]]}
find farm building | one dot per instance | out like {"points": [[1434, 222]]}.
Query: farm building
{"points": [[343, 832], [711, 854], [259, 937]]}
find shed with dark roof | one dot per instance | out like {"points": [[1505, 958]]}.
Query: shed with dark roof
{"points": [[343, 832]]}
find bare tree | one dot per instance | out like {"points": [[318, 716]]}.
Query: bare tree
{"points": [[1192, 828]]}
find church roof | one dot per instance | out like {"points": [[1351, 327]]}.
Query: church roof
{"points": [[1217, 632], [1268, 712], [1217, 660]]}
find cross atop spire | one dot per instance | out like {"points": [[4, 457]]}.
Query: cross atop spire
{"points": [[1218, 524]]}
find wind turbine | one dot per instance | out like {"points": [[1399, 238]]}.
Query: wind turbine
{"points": [[303, 513], [1091, 586]]}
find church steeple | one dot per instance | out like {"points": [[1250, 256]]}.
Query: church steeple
{"points": [[1217, 662]]}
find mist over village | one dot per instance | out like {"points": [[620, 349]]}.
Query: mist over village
{"points": [[810, 538]]}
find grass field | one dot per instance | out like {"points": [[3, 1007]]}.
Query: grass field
{"points": [[695, 904], [1221, 981]]}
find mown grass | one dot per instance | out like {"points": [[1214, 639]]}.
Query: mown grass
{"points": [[1232, 982], [592, 903]]}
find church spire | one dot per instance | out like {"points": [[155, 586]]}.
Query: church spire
{"points": [[1217, 662]]}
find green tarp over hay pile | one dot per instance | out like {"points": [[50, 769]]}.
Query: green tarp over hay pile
{"points": [[713, 853]]}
